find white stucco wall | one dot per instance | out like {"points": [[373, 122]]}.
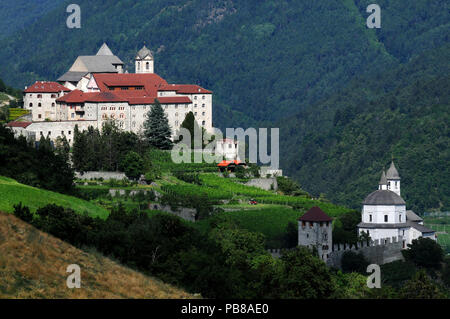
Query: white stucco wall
{"points": [[396, 214], [42, 105]]}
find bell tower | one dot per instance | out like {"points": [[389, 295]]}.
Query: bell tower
{"points": [[393, 179], [144, 62]]}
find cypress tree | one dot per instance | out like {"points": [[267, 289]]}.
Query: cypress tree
{"points": [[79, 150], [191, 125], [156, 128]]}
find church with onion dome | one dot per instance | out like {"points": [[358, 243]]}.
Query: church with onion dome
{"points": [[384, 213]]}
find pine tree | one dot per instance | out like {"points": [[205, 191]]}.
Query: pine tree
{"points": [[156, 128]]}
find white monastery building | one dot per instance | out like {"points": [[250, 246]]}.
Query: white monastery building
{"points": [[384, 213], [96, 89]]}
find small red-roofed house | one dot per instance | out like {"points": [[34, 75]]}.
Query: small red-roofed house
{"points": [[40, 100]]}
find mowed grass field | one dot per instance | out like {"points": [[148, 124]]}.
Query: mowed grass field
{"points": [[12, 193], [271, 222]]}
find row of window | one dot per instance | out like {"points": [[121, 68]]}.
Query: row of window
{"points": [[178, 123], [39, 96], [105, 116], [112, 108], [195, 113], [386, 218], [311, 224], [62, 133], [40, 104]]}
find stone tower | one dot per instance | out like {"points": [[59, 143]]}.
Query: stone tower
{"points": [[144, 61], [315, 231], [393, 179]]}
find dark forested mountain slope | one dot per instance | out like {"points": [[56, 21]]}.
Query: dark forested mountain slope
{"points": [[256, 56], [268, 62], [404, 112], [18, 14]]}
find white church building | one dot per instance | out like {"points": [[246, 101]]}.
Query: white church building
{"points": [[96, 89], [384, 213]]}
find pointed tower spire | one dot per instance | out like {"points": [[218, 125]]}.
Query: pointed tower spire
{"points": [[104, 50], [393, 179], [392, 172]]}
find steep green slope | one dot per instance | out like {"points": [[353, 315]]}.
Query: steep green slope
{"points": [[13, 193], [404, 113], [409, 28]]}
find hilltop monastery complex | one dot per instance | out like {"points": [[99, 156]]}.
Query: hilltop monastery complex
{"points": [[96, 89]]}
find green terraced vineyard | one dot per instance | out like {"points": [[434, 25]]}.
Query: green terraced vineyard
{"points": [[15, 113]]}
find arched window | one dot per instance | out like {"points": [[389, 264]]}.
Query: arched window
{"points": [[203, 123], [104, 116], [39, 104], [147, 65], [31, 104], [53, 104], [139, 66], [122, 116]]}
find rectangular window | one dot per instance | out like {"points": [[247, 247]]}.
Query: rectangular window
{"points": [[303, 224], [385, 218], [400, 218], [370, 218]]}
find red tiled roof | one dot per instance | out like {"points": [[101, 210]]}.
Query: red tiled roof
{"points": [[184, 89], [46, 87], [77, 96], [150, 81], [18, 124], [315, 214]]}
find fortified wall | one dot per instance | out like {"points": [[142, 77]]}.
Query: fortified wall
{"points": [[378, 252]]}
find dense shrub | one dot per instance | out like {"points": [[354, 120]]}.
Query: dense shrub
{"points": [[353, 262]]}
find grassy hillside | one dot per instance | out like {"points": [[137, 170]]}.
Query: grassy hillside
{"points": [[33, 265], [13, 192]]}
